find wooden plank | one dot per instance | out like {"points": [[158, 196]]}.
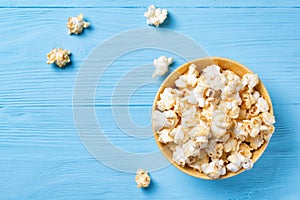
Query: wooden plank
{"points": [[41, 156], [144, 4], [262, 39]]}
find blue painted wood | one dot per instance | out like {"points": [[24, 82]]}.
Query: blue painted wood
{"points": [[41, 156], [134, 4]]}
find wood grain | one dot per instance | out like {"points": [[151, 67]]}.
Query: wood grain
{"points": [[145, 4], [41, 156], [28, 81]]}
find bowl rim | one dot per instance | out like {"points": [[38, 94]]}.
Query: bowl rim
{"points": [[213, 60]]}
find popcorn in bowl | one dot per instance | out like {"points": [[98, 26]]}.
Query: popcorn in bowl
{"points": [[214, 122]]}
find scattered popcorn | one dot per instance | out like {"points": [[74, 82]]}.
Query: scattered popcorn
{"points": [[161, 66], [155, 16], [76, 24], [58, 56], [142, 178], [213, 121]]}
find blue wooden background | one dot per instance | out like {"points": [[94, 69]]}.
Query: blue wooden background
{"points": [[41, 156]]}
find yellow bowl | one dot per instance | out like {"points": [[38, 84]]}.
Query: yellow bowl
{"points": [[224, 64]]}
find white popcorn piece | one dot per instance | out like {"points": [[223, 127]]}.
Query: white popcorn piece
{"points": [[218, 124], [231, 145], [178, 156], [268, 118], [198, 163], [158, 120], [231, 108], [215, 150], [238, 161], [262, 105], [252, 127], [188, 79], [232, 86], [167, 119], [207, 113], [200, 129], [214, 120], [245, 150], [167, 100], [58, 56], [214, 77], [235, 162], [247, 163], [164, 136], [155, 16], [76, 24], [250, 80], [161, 65], [255, 142], [214, 169], [178, 135], [171, 119], [142, 178], [199, 93]]}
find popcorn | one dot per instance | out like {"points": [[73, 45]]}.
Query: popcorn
{"points": [[245, 150], [155, 16], [262, 105], [250, 80], [213, 121], [161, 66], [231, 108], [198, 163], [167, 100], [250, 129], [189, 116], [189, 79], [249, 98], [218, 124], [268, 118], [142, 178], [235, 162], [167, 119], [164, 136], [171, 119], [213, 77], [215, 151], [255, 142], [76, 24], [232, 86], [231, 145], [58, 56], [178, 135], [214, 169]]}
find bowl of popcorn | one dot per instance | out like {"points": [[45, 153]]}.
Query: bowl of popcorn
{"points": [[212, 118]]}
